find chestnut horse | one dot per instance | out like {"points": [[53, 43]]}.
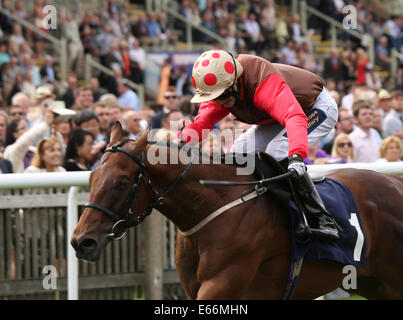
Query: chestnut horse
{"points": [[243, 253]]}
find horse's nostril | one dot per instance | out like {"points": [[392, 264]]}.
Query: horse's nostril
{"points": [[87, 248], [88, 244]]}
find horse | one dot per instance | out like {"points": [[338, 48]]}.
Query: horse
{"points": [[243, 253]]}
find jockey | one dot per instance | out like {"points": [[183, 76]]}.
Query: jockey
{"points": [[279, 100]]}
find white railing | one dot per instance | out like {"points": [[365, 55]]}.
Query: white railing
{"points": [[75, 180], [395, 168]]}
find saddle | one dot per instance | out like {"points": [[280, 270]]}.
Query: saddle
{"points": [[267, 167], [337, 198], [283, 190]]}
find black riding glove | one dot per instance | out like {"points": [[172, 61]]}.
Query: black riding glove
{"points": [[296, 165]]}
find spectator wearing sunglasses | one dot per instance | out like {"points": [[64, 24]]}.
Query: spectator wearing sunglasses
{"points": [[343, 148], [16, 112], [171, 103]]}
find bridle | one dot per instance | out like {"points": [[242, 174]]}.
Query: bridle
{"points": [[157, 198]]}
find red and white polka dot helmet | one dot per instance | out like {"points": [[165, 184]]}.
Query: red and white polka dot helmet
{"points": [[213, 73]]}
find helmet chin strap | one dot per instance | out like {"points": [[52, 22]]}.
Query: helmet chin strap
{"points": [[236, 92]]}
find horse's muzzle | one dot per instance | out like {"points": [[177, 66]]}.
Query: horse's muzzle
{"points": [[87, 249]]}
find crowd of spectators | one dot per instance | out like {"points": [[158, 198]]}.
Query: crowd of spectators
{"points": [[34, 139]]}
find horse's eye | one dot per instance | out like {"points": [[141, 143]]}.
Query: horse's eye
{"points": [[122, 185]]}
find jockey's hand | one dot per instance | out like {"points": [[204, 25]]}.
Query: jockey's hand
{"points": [[296, 165]]}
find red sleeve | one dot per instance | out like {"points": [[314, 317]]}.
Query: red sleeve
{"points": [[209, 114], [275, 97]]}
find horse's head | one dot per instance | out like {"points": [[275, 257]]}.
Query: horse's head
{"points": [[117, 186]]}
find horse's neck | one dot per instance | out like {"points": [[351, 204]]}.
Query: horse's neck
{"points": [[189, 202]]}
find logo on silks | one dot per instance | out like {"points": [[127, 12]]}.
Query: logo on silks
{"points": [[315, 118]]}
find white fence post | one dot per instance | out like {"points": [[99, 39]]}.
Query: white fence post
{"points": [[72, 262]]}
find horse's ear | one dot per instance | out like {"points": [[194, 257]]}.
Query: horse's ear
{"points": [[116, 133], [142, 142]]}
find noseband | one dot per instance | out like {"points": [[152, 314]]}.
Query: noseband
{"points": [[157, 198]]}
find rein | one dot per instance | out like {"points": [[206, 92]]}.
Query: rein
{"points": [[246, 183], [158, 198]]}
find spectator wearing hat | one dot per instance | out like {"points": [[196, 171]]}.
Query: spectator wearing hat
{"points": [[384, 101]]}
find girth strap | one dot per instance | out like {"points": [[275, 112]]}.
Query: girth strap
{"points": [[293, 279]]}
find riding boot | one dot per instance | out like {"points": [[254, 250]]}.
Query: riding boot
{"points": [[324, 227]]}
